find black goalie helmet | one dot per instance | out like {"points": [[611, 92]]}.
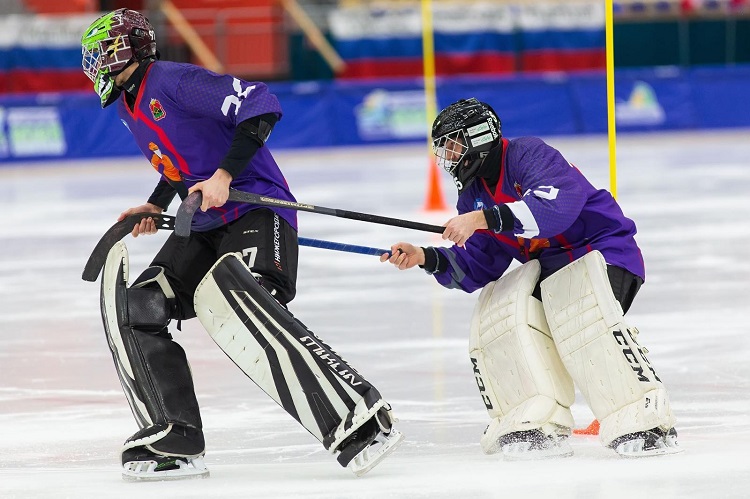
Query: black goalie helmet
{"points": [[462, 136]]}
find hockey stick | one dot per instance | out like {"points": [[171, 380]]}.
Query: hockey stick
{"points": [[193, 201], [349, 248], [115, 233], [166, 222]]}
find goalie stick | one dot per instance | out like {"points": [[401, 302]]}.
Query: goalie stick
{"points": [[166, 222], [191, 204], [115, 233]]}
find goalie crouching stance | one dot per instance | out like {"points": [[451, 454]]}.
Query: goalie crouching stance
{"points": [[556, 320], [207, 132]]}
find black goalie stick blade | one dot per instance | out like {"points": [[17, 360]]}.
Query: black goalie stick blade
{"points": [[185, 213], [115, 233]]}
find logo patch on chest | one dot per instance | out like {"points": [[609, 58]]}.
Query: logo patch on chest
{"points": [[157, 110]]}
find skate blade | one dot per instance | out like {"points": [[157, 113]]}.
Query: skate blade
{"points": [[145, 471], [665, 451], [634, 449], [516, 453], [394, 440]]}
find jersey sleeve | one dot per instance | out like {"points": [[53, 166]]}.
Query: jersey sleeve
{"points": [[552, 196], [223, 97], [480, 262]]}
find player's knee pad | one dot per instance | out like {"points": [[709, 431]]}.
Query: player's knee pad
{"points": [[600, 350], [153, 370], [521, 379], [290, 363]]}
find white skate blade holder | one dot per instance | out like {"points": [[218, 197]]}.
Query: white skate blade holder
{"points": [[520, 451], [633, 449], [372, 455], [145, 471]]}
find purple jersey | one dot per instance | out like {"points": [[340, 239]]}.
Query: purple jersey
{"points": [[558, 217], [184, 122]]}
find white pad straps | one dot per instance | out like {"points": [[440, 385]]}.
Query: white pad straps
{"points": [[600, 351], [521, 379]]}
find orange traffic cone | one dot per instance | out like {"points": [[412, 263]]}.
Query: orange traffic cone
{"points": [[592, 429], [435, 198]]}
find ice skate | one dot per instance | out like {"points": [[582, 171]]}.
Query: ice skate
{"points": [[140, 464], [654, 442], [164, 452], [533, 444], [368, 446], [379, 448]]}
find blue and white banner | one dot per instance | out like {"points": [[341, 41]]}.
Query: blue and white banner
{"points": [[321, 114]]}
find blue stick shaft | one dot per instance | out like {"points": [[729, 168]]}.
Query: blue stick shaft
{"points": [[348, 248]]}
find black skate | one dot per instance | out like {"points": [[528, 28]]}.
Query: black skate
{"points": [[145, 456], [534, 444], [653, 442], [368, 445]]}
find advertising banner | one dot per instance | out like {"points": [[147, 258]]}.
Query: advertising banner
{"points": [[347, 113]]}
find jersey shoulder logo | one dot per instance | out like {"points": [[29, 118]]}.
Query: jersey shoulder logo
{"points": [[157, 110]]}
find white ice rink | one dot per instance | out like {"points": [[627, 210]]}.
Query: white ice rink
{"points": [[63, 415]]}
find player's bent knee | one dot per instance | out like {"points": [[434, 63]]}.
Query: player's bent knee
{"points": [[600, 350], [521, 379]]}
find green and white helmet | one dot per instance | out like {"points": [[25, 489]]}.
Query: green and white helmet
{"points": [[111, 44]]}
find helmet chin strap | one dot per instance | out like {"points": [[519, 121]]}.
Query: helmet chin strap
{"points": [[116, 90], [106, 89], [464, 181]]}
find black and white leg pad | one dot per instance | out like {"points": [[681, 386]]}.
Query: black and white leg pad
{"points": [[291, 364], [152, 369], [521, 379], [600, 351]]}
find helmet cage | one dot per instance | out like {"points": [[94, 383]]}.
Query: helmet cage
{"points": [[110, 56], [450, 150]]}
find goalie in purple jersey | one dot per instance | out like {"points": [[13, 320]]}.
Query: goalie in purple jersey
{"points": [[558, 317], [236, 272]]}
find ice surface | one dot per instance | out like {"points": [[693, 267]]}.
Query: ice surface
{"points": [[63, 416]]}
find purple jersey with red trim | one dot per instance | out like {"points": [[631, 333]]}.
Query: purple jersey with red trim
{"points": [[558, 217], [184, 121]]}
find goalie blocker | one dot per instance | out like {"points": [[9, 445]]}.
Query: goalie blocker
{"points": [[294, 367]]}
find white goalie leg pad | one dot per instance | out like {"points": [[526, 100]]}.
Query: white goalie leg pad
{"points": [[520, 376], [600, 351], [290, 363]]}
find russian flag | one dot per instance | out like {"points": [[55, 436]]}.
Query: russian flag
{"points": [[42, 53], [478, 38]]}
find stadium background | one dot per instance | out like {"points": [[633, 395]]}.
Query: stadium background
{"points": [[349, 72]]}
